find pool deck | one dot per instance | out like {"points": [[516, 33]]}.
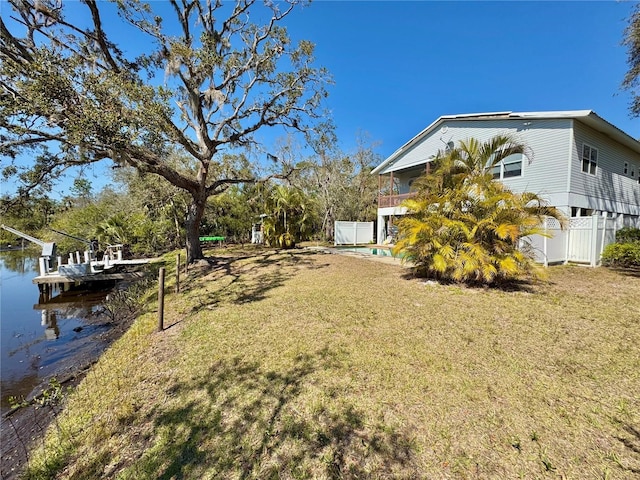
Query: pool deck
{"points": [[342, 250]]}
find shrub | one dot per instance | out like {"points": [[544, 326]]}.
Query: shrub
{"points": [[622, 255], [464, 226], [628, 235]]}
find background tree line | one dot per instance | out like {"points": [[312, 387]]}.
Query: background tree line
{"points": [[144, 212]]}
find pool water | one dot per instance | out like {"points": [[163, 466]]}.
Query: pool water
{"points": [[380, 252]]}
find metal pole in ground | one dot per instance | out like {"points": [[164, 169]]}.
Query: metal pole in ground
{"points": [[161, 300]]}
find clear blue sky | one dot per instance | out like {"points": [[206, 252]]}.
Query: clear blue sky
{"points": [[398, 66]]}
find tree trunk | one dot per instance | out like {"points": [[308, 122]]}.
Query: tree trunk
{"points": [[329, 224], [194, 215]]}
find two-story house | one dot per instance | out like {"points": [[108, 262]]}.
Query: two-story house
{"points": [[576, 160]]}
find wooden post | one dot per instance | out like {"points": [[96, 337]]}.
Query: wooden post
{"points": [[391, 185], [161, 300], [178, 274]]}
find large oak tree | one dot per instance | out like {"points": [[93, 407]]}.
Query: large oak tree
{"points": [[203, 79]]}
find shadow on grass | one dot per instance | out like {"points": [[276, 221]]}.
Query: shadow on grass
{"points": [[511, 286], [631, 440], [629, 271], [248, 277], [246, 422]]}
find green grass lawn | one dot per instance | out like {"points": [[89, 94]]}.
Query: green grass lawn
{"points": [[309, 365]]}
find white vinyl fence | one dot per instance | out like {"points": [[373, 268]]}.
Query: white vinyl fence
{"points": [[582, 241], [353, 233]]}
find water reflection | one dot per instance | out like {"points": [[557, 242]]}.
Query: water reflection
{"points": [[67, 305], [50, 324], [41, 336], [19, 261]]}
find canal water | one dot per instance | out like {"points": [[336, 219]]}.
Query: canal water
{"points": [[41, 338]]}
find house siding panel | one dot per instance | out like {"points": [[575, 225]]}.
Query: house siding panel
{"points": [[546, 171], [609, 189]]}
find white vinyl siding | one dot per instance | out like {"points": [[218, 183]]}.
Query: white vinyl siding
{"points": [[610, 189], [543, 172], [547, 171]]}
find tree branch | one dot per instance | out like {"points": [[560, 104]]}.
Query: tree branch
{"points": [[99, 36], [222, 184]]}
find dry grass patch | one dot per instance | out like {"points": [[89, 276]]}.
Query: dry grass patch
{"points": [[308, 365]]}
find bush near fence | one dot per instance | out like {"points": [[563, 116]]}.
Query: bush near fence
{"points": [[626, 251], [628, 235]]}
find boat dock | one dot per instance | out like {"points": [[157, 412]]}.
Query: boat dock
{"points": [[80, 268], [65, 280], [55, 278]]}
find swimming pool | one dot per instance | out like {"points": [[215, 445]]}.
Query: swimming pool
{"points": [[378, 251]]}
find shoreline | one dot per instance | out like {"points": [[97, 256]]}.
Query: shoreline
{"points": [[23, 427]]}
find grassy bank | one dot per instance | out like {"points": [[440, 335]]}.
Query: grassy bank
{"points": [[308, 365]]}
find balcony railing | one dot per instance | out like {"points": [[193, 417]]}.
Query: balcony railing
{"points": [[385, 201]]}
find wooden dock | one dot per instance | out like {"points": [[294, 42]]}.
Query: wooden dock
{"points": [[47, 284], [96, 277], [69, 279]]}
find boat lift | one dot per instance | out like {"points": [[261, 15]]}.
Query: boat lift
{"points": [[77, 271], [48, 249], [76, 265]]}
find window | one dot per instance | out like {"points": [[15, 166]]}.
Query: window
{"points": [[630, 170], [511, 166], [581, 212], [589, 159]]}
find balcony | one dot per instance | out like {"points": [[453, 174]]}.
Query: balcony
{"points": [[385, 201]]}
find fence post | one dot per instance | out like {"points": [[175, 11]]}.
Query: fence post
{"points": [[355, 233], [567, 242], [605, 222], [594, 239], [178, 273], [161, 299], [544, 242]]}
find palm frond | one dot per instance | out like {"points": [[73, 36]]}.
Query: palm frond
{"points": [[465, 226]]}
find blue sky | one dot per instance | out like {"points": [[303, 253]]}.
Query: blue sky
{"points": [[398, 66]]}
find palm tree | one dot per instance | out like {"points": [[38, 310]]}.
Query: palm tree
{"points": [[465, 226], [291, 216], [114, 229]]}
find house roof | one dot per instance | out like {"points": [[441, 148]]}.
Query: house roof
{"points": [[588, 117]]}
